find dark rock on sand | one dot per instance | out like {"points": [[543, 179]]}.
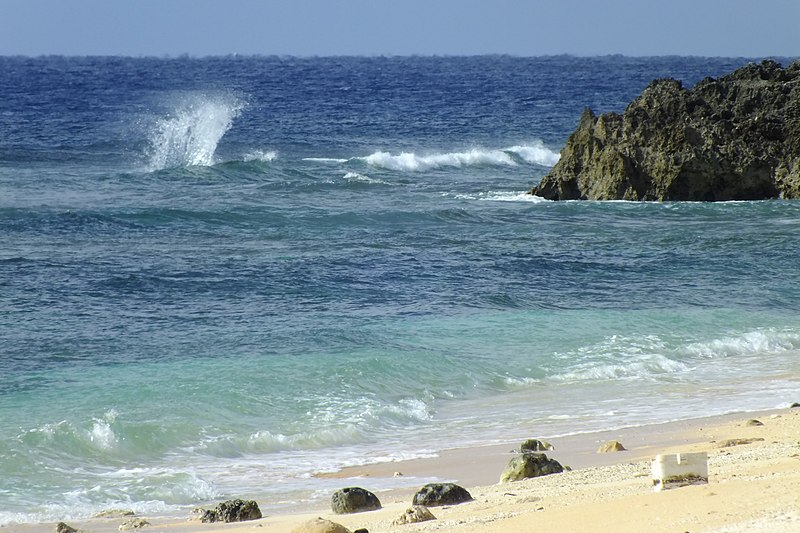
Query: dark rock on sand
{"points": [[61, 527], [535, 445], [354, 500], [528, 465], [754, 422], [437, 494], [732, 138], [233, 511]]}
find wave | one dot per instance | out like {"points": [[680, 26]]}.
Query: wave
{"points": [[190, 133], [325, 160], [502, 196], [408, 161], [648, 357], [260, 156], [750, 343], [355, 177], [537, 154]]}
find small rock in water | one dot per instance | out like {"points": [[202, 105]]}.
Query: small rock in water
{"points": [[611, 446], [794, 405], [61, 527], [134, 523], [754, 422], [436, 494], [413, 515], [354, 500], [320, 525]]}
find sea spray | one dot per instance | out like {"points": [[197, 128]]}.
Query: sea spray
{"points": [[189, 134]]}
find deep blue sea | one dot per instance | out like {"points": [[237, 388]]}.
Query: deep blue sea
{"points": [[221, 276]]}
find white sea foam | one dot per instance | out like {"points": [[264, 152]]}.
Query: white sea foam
{"points": [[749, 343], [260, 155], [503, 196], [355, 177], [325, 160], [190, 133], [642, 367], [536, 153]]}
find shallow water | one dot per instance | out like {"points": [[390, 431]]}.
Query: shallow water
{"points": [[220, 276]]}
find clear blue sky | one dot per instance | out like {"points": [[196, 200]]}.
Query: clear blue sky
{"points": [[751, 28]]}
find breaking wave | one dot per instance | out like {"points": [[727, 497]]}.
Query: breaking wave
{"points": [[502, 196], [190, 133], [537, 154]]}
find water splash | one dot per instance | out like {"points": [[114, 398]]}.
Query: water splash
{"points": [[190, 133]]}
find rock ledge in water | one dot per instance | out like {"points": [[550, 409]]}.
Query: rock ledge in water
{"points": [[732, 138]]}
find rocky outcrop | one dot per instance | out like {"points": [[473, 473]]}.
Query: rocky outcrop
{"points": [[436, 494], [732, 138], [529, 464], [354, 500]]}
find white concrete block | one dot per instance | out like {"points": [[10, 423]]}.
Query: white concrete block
{"points": [[679, 469]]}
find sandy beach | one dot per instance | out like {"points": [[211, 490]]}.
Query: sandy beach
{"points": [[752, 487]]}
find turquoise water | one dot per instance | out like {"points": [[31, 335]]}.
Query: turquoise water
{"points": [[222, 276]]}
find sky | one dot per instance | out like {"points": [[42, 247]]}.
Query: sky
{"points": [[733, 28]]}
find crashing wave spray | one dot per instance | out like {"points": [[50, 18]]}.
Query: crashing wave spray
{"points": [[188, 136]]}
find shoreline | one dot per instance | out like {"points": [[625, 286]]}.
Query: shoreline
{"points": [[596, 484]]}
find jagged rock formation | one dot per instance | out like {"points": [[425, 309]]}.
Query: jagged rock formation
{"points": [[732, 138]]}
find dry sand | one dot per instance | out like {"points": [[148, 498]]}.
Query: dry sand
{"points": [[752, 487]]}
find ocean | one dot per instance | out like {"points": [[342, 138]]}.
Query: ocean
{"points": [[221, 276]]}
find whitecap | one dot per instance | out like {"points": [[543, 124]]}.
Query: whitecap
{"points": [[503, 196], [260, 155], [325, 160], [355, 177], [537, 154], [411, 162], [753, 342]]}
